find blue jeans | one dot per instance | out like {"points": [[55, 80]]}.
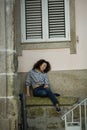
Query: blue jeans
{"points": [[45, 92]]}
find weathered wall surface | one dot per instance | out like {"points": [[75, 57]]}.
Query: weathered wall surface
{"points": [[8, 76], [67, 83], [3, 78], [46, 118]]}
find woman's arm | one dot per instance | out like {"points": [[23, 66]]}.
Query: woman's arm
{"points": [[28, 84], [46, 86], [46, 81], [27, 91]]}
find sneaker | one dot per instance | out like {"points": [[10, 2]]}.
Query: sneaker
{"points": [[57, 94], [58, 110]]}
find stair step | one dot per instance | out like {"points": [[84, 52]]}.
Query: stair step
{"points": [[73, 123], [38, 101]]}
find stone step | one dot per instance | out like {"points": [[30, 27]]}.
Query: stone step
{"points": [[41, 114], [38, 101]]}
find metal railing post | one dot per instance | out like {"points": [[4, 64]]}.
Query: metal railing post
{"points": [[23, 111], [73, 124]]}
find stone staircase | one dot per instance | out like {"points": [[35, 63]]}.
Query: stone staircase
{"points": [[41, 114]]}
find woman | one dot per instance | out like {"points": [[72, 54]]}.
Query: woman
{"points": [[37, 78]]}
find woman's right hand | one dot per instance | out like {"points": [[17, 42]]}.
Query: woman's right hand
{"points": [[46, 86], [27, 92], [27, 95]]}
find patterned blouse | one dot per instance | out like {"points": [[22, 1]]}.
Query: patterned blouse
{"points": [[35, 78]]}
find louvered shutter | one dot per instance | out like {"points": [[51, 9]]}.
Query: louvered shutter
{"points": [[56, 18], [45, 20], [33, 19]]}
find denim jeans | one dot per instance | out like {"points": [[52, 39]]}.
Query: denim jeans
{"points": [[45, 92]]}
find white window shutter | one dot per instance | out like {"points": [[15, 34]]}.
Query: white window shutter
{"points": [[33, 19], [45, 20], [56, 18]]}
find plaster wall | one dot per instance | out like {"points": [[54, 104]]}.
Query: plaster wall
{"points": [[61, 59]]}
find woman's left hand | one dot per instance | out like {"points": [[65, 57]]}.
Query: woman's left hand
{"points": [[46, 86]]}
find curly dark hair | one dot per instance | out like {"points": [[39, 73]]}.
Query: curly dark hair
{"points": [[39, 63]]}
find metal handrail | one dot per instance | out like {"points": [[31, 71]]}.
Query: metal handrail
{"points": [[74, 107]]}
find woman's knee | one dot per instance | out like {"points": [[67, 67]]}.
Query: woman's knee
{"points": [[43, 94], [40, 93]]}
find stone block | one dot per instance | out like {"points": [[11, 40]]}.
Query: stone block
{"points": [[13, 107], [3, 107], [52, 126], [13, 124], [9, 111], [2, 85], [2, 62], [35, 112], [50, 112], [11, 84], [4, 124], [12, 113], [2, 24], [10, 62]]}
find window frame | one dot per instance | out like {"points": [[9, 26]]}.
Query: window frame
{"points": [[45, 39], [71, 45]]}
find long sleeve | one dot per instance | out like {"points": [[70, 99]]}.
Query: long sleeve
{"points": [[34, 78], [28, 79], [46, 79]]}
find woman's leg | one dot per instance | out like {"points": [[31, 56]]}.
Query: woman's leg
{"points": [[39, 92], [53, 99], [46, 92], [51, 95], [43, 92]]}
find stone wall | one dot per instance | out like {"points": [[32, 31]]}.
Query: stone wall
{"points": [[68, 83], [44, 118], [8, 73], [42, 115]]}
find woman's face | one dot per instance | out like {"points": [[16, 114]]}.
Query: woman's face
{"points": [[43, 67]]}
